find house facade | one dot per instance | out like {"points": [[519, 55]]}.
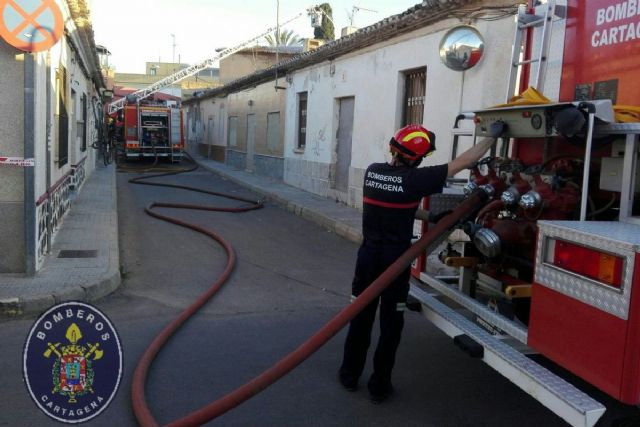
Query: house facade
{"points": [[344, 100], [241, 124], [51, 104], [342, 111]]}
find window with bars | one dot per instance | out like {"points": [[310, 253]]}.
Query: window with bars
{"points": [[302, 120], [83, 130], [414, 94], [62, 117]]}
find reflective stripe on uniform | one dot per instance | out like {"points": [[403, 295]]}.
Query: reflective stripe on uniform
{"points": [[401, 306], [375, 202]]}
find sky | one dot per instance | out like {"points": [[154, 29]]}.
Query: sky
{"points": [[139, 31]]}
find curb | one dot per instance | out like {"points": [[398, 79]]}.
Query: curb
{"points": [[15, 307], [99, 287]]}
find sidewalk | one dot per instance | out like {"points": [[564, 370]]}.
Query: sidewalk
{"points": [[92, 225]]}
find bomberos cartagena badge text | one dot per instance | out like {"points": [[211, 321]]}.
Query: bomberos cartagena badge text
{"points": [[72, 362]]}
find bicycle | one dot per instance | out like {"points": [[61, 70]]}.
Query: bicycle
{"points": [[103, 139]]}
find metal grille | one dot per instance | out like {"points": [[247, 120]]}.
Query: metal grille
{"points": [[63, 118], [414, 93], [83, 147], [49, 215], [302, 120], [91, 253]]}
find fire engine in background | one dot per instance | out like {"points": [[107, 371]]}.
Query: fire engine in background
{"points": [[551, 264], [151, 129], [148, 129]]}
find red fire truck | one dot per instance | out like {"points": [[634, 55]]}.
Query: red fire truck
{"points": [[152, 130], [548, 265]]}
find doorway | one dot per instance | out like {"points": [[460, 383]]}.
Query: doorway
{"points": [[343, 144], [251, 140], [210, 129]]}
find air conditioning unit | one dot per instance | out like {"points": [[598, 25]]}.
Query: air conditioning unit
{"points": [[311, 44], [348, 30]]}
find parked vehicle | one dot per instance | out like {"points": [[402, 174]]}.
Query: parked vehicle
{"points": [[152, 130]]}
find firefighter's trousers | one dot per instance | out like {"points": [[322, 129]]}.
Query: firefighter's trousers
{"points": [[373, 259]]}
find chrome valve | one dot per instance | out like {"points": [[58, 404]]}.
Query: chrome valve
{"points": [[487, 242], [489, 189], [510, 196], [531, 200], [469, 188]]}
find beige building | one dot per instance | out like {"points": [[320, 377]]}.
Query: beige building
{"points": [[46, 118], [155, 71], [241, 124], [241, 128], [252, 59]]}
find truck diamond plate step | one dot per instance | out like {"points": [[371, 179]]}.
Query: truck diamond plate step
{"points": [[562, 398], [517, 331]]}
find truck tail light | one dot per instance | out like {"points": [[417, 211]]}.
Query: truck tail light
{"points": [[592, 263]]}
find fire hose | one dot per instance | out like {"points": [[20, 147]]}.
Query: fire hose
{"points": [[290, 361]]}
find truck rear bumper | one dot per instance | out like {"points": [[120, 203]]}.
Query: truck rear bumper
{"points": [[561, 397]]}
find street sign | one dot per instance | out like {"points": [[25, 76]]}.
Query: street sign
{"points": [[31, 25], [17, 161]]}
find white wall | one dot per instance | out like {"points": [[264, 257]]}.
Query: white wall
{"points": [[12, 126], [374, 77]]}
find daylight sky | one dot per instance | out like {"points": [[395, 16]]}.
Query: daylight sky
{"points": [[139, 31]]}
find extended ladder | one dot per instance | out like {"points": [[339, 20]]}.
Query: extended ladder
{"points": [[543, 18], [189, 71]]}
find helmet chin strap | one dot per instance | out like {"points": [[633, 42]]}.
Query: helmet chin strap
{"points": [[400, 159]]}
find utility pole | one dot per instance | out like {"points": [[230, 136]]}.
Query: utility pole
{"points": [[277, 42], [173, 58], [277, 28], [355, 9]]}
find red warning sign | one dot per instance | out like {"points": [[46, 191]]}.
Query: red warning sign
{"points": [[31, 26]]}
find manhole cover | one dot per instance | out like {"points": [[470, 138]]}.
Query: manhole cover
{"points": [[92, 253]]}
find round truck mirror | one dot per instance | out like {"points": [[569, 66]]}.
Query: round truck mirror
{"points": [[461, 48]]}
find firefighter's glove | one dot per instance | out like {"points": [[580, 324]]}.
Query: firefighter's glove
{"points": [[497, 128], [434, 218]]}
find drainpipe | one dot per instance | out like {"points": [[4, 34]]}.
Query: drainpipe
{"points": [[277, 39], [48, 149], [29, 172]]}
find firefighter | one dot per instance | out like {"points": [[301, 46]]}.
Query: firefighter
{"points": [[391, 195], [111, 126]]}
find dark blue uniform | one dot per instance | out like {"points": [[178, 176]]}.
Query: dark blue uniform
{"points": [[391, 196]]}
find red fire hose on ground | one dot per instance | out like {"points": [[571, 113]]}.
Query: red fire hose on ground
{"points": [[283, 366]]}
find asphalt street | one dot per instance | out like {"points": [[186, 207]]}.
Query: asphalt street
{"points": [[292, 276]]}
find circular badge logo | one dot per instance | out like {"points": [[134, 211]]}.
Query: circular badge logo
{"points": [[72, 362]]}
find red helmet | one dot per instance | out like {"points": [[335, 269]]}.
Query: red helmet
{"points": [[413, 142]]}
